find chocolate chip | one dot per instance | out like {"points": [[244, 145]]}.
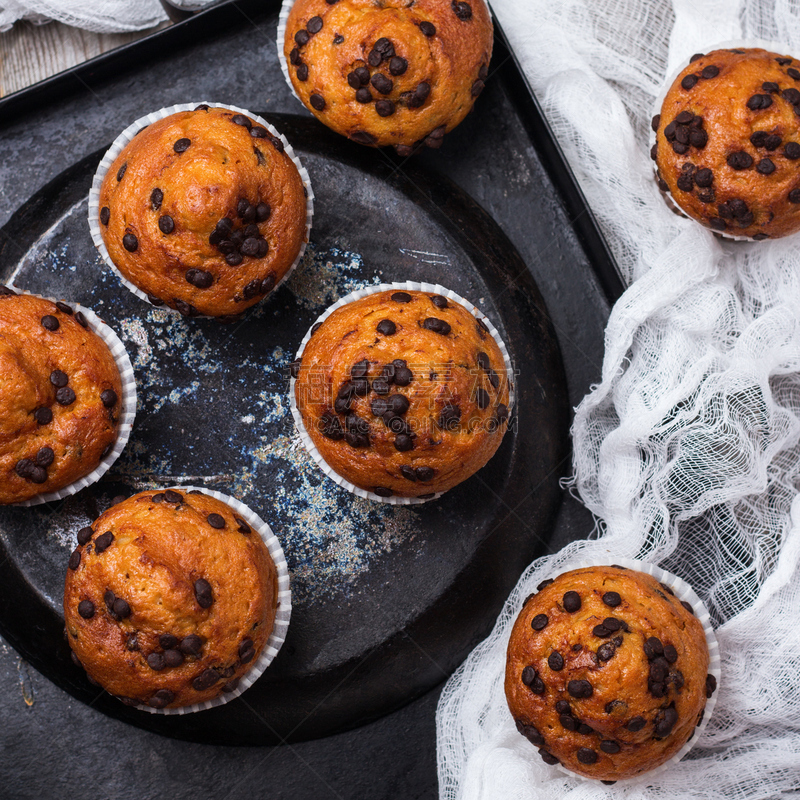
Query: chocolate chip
{"points": [[105, 215], [765, 166], [539, 622], [43, 415], [161, 699], [704, 177], [74, 560], [205, 680], [568, 721], [203, 593], [739, 160], [685, 182], [103, 542], [610, 747], [606, 651], [120, 608], [171, 496], [121, 171], [689, 82], [317, 102], [586, 755], [794, 197], [86, 609], [156, 661], [719, 224], [612, 599], [401, 297], [482, 398], [436, 325], [338, 39], [545, 583], [427, 28], [402, 374], [425, 473], [385, 108], [65, 396], [234, 259], [698, 138], [580, 689], [166, 224], [793, 73], [301, 37], [199, 278], [168, 641], [791, 150], [783, 60], [50, 323], [191, 645], [302, 73], [759, 101], [314, 25], [530, 733], [450, 417], [462, 10], [330, 427], [711, 685], [84, 534], [571, 602], [381, 83], [45, 457], [182, 145], [385, 47], [216, 521], [403, 442], [130, 242], [653, 647], [555, 661], [173, 658], [636, 724], [664, 722]]}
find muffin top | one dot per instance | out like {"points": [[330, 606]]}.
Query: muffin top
{"points": [[60, 396], [607, 672], [169, 597], [403, 392], [389, 73], [728, 142], [203, 211]]}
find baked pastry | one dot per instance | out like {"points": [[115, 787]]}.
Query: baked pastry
{"points": [[403, 393], [169, 598], [60, 396], [728, 142], [203, 211], [607, 672], [389, 73]]}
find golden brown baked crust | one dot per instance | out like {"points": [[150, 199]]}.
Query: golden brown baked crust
{"points": [[393, 73], [174, 604], [728, 142], [60, 397], [204, 211], [403, 393], [608, 700]]}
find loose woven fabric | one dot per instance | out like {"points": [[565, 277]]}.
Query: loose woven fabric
{"points": [[100, 16], [688, 451]]}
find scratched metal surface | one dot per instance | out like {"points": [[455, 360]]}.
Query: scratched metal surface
{"points": [[493, 158]]}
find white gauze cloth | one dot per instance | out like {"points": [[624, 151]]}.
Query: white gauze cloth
{"points": [[688, 451], [100, 16]]}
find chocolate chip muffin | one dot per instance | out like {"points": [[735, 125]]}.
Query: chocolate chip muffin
{"points": [[203, 211], [60, 396], [607, 672], [389, 73], [169, 598], [728, 142], [403, 393]]}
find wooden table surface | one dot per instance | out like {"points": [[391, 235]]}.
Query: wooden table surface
{"points": [[30, 53]]}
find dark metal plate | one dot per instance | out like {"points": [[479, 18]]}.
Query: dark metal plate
{"points": [[386, 599]]}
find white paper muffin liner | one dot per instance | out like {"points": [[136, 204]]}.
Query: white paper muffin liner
{"points": [[128, 134], [283, 612], [414, 286], [732, 44], [283, 17], [127, 403], [683, 592]]}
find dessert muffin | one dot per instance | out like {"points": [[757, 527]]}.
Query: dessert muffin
{"points": [[60, 396], [204, 211], [607, 672], [728, 142], [403, 393], [169, 598], [393, 73]]}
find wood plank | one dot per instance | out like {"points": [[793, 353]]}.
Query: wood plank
{"points": [[29, 53]]}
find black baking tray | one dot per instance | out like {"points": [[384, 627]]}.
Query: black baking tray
{"points": [[499, 195]]}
